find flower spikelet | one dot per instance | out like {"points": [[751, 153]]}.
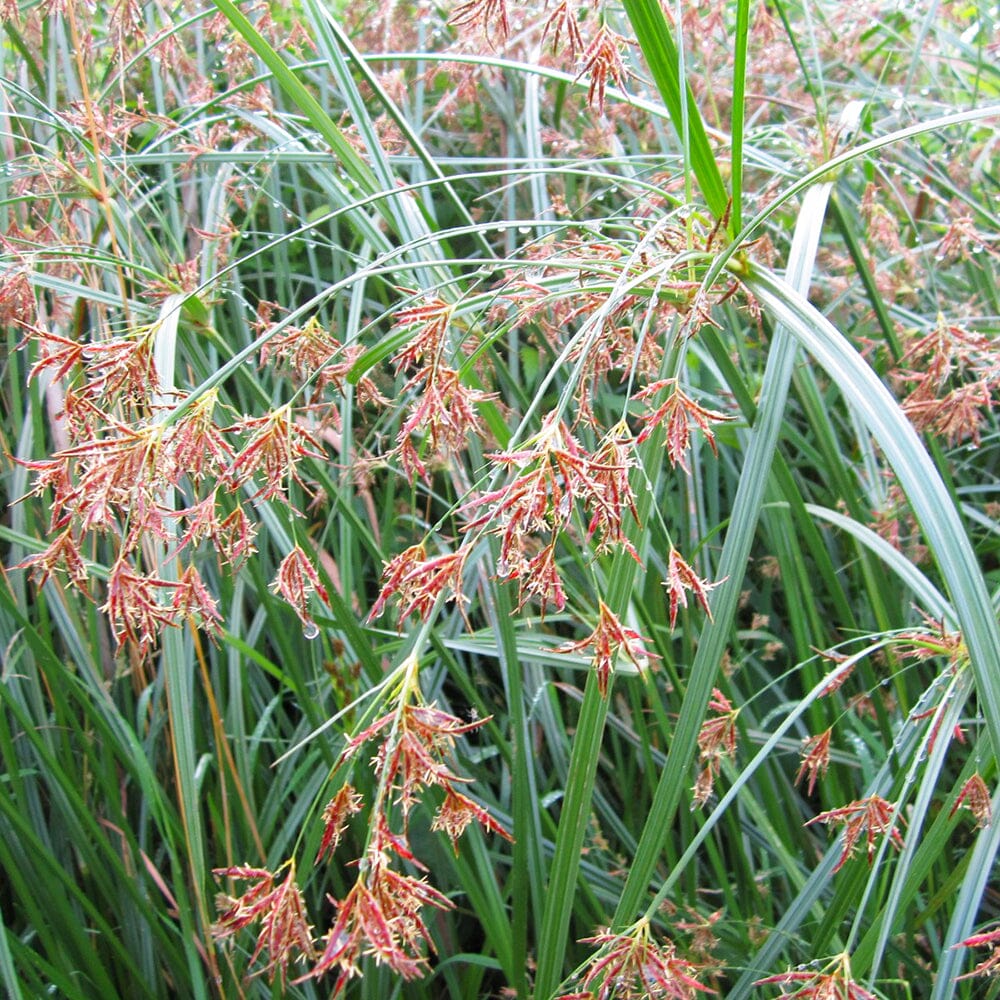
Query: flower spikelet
{"points": [[115, 474], [234, 537], [58, 355], [61, 555], [295, 580], [716, 739], [427, 323], [311, 354], [192, 599], [443, 411], [277, 444], [603, 61], [380, 917], [975, 797], [195, 444], [681, 580], [563, 26], [134, 605], [718, 734], [411, 757], [338, 811], [677, 413], [418, 581], [17, 300], [838, 675], [540, 578], [457, 812], [122, 368], [815, 758], [833, 982], [490, 16], [609, 495], [555, 477], [931, 641]]}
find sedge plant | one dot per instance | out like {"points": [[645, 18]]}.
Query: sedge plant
{"points": [[502, 499]]}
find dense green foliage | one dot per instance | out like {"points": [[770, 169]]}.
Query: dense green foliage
{"points": [[503, 499]]}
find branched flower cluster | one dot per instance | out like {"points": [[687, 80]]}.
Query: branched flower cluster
{"points": [[443, 409], [716, 740], [381, 915], [609, 639], [832, 982], [599, 58], [815, 758], [132, 453], [864, 820], [554, 477], [951, 376], [285, 934], [631, 965]]}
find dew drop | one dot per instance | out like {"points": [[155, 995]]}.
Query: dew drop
{"points": [[310, 630]]}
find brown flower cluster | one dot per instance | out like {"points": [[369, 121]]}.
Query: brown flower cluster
{"points": [[676, 414], [442, 412], [599, 57], [815, 758], [285, 934], [950, 375]]}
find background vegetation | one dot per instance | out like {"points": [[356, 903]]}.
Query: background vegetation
{"points": [[503, 499]]}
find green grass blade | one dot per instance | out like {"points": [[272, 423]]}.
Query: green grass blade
{"points": [[303, 98], [738, 123], [574, 818], [928, 596], [658, 46]]}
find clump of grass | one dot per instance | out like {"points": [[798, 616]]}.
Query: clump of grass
{"points": [[502, 500]]}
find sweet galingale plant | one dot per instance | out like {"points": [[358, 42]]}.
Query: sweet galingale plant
{"points": [[503, 499]]}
